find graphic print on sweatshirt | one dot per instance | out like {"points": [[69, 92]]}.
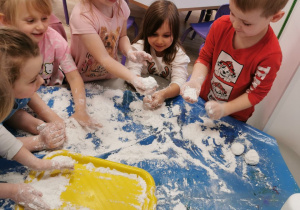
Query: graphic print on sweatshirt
{"points": [[162, 70], [91, 68], [226, 74]]}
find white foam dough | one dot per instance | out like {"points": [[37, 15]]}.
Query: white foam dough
{"points": [[252, 157], [191, 93], [237, 148]]}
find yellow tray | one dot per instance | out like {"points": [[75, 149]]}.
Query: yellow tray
{"points": [[92, 189]]}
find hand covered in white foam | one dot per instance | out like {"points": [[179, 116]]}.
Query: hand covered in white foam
{"points": [[29, 197], [52, 135], [191, 89], [85, 120], [145, 86], [215, 110], [154, 101], [139, 57]]}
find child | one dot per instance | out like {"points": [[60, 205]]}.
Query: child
{"points": [[10, 147], [32, 17], [98, 29], [24, 61], [159, 37], [239, 61]]}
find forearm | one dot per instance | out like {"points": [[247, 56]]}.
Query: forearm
{"points": [[96, 48], [7, 190], [32, 143], [240, 103], [199, 71], [78, 90], [24, 121], [26, 158], [171, 91], [124, 45], [41, 109]]}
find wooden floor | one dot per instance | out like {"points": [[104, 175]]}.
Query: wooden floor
{"points": [[191, 46]]}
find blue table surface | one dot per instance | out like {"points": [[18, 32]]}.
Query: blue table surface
{"points": [[264, 186]]}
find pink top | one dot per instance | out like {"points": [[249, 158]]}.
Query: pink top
{"points": [[85, 21], [56, 53]]}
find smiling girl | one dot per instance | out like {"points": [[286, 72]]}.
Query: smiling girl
{"points": [[32, 17], [159, 37]]}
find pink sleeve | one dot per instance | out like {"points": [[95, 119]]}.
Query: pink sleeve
{"points": [[62, 52]]}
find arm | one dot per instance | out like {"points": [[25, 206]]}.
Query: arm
{"points": [[156, 100], [216, 110], [23, 194], [78, 92], [136, 56], [41, 109]]}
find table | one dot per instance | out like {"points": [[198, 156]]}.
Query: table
{"points": [[187, 154], [186, 5]]}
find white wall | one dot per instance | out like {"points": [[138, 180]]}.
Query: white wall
{"points": [[289, 42], [284, 122]]}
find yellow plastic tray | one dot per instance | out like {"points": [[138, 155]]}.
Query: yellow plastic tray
{"points": [[95, 190]]}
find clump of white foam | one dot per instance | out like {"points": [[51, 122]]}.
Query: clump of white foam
{"points": [[149, 83], [191, 93], [252, 157], [237, 148]]}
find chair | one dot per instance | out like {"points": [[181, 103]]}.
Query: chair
{"points": [[66, 11], [202, 28], [130, 22]]}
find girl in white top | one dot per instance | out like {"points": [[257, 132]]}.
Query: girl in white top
{"points": [[98, 30], [159, 37]]}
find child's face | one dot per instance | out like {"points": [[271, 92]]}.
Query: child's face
{"points": [[30, 80], [161, 39], [33, 23], [249, 24]]}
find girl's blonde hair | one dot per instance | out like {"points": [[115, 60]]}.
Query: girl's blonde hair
{"points": [[10, 8], [15, 49], [157, 13], [6, 92]]}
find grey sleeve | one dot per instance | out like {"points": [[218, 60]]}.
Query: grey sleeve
{"points": [[9, 145]]}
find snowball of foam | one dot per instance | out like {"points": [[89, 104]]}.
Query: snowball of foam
{"points": [[149, 82], [237, 148], [191, 93], [251, 157]]}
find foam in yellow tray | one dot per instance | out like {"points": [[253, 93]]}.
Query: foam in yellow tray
{"points": [[100, 184]]}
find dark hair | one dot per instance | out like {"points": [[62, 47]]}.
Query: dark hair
{"points": [[157, 13]]}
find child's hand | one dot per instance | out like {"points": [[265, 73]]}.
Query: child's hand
{"points": [[215, 110], [145, 86], [190, 90], [154, 101], [139, 57], [44, 165], [52, 135], [28, 197], [85, 120]]}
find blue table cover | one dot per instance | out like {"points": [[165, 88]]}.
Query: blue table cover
{"points": [[193, 174]]}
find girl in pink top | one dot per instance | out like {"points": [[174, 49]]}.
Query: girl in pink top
{"points": [[32, 18], [99, 29]]}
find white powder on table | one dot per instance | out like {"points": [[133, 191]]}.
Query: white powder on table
{"points": [[252, 157]]}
